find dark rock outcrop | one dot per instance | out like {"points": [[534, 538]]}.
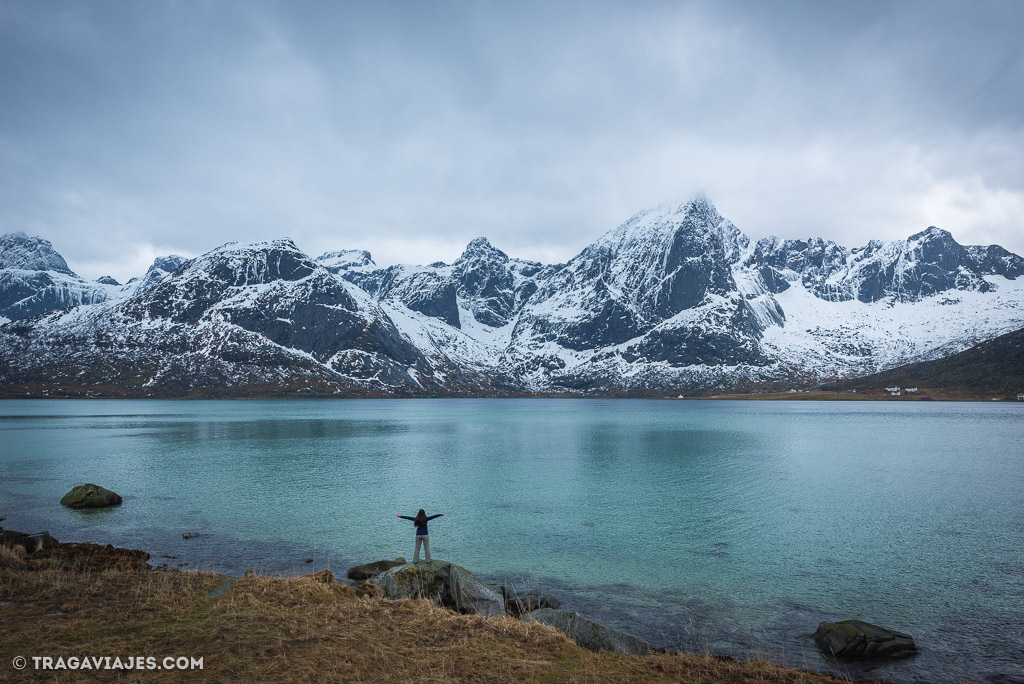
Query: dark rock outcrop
{"points": [[38, 541], [446, 584], [517, 604], [483, 278], [90, 496], [589, 634], [94, 557], [421, 290], [856, 640], [370, 570]]}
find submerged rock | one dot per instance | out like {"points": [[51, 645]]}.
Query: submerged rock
{"points": [[856, 640], [589, 634], [370, 570], [90, 496], [446, 584]]}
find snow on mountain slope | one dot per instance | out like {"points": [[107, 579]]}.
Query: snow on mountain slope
{"points": [[658, 289], [160, 269], [853, 337], [240, 315], [35, 279], [20, 252], [903, 270], [482, 287]]}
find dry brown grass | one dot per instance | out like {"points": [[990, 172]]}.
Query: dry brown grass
{"points": [[12, 558], [303, 629]]}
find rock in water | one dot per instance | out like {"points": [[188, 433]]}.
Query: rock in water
{"points": [[90, 496], [856, 640], [589, 634], [447, 584], [369, 570]]}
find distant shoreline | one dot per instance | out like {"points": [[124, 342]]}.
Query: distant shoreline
{"points": [[925, 394]]}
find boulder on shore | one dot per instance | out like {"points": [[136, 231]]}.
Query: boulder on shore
{"points": [[446, 584], [370, 570], [90, 496], [589, 634], [38, 541], [517, 604], [856, 640]]}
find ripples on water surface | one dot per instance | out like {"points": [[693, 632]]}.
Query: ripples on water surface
{"points": [[733, 526]]}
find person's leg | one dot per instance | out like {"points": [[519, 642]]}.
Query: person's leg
{"points": [[426, 545], [416, 551]]}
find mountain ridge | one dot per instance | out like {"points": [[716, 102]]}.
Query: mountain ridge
{"points": [[676, 298]]}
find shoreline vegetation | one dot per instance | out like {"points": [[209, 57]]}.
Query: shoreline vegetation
{"points": [[90, 600]]}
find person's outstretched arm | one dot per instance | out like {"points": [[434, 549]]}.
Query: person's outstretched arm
{"points": [[406, 517], [431, 517]]}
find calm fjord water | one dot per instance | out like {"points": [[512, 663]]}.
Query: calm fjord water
{"points": [[732, 526]]}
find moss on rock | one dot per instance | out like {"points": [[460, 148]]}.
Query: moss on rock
{"points": [[90, 496]]}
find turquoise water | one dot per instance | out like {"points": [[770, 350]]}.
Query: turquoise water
{"points": [[729, 526]]}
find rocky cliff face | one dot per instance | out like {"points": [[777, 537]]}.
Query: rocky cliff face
{"points": [[909, 270], [655, 266], [674, 299], [483, 283], [35, 279]]}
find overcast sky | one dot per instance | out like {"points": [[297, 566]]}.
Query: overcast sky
{"points": [[135, 129]]}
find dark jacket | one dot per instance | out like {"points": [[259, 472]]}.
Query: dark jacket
{"points": [[422, 529]]}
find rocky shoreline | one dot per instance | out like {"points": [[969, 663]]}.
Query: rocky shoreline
{"points": [[74, 601], [456, 589]]}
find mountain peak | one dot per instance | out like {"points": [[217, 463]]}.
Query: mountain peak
{"points": [[931, 233], [18, 250], [699, 203], [345, 259], [169, 263], [481, 248], [286, 244], [250, 263]]}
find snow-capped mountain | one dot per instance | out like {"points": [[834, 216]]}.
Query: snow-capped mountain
{"points": [[675, 299], [905, 270], [157, 272], [489, 285], [259, 315], [35, 279]]}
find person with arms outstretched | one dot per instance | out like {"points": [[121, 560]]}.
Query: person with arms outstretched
{"points": [[422, 534]]}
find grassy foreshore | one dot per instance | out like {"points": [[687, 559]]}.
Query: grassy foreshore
{"points": [[80, 600]]}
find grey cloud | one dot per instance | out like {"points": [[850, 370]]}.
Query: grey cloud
{"points": [[408, 129]]}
